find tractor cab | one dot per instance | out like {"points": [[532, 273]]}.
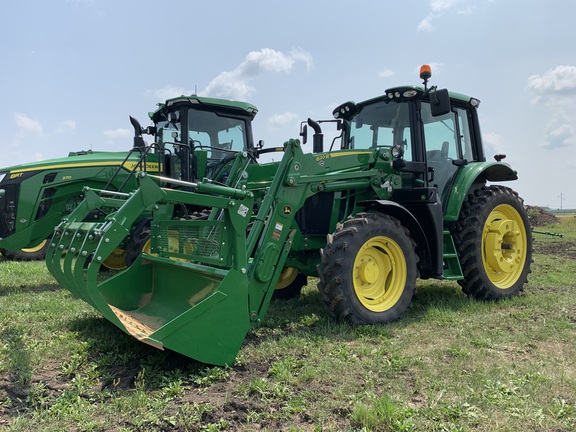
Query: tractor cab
{"points": [[431, 133], [200, 136]]}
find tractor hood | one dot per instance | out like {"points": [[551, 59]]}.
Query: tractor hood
{"points": [[74, 159]]}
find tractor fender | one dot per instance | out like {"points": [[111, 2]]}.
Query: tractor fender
{"points": [[474, 176], [408, 220]]}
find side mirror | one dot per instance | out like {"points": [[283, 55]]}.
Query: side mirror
{"points": [[304, 134], [439, 102]]}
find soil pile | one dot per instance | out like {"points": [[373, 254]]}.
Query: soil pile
{"points": [[539, 217]]}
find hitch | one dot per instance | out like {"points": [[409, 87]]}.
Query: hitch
{"points": [[548, 233]]}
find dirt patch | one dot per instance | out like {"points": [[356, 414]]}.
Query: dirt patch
{"points": [[540, 217], [563, 249]]}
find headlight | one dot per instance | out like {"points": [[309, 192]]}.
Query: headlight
{"points": [[2, 175]]}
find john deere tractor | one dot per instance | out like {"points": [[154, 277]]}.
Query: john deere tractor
{"points": [[405, 192], [194, 137]]}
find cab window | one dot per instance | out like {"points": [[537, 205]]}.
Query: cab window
{"points": [[218, 134], [381, 124]]}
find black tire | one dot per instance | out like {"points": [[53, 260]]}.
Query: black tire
{"points": [[368, 270], [34, 253], [494, 243], [290, 284], [139, 241]]}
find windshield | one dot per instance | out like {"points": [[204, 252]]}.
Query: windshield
{"points": [[218, 134], [381, 124]]}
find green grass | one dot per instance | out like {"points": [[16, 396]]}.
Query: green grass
{"points": [[450, 364]]}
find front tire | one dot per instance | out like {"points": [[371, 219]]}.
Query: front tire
{"points": [[494, 243], [34, 253], [289, 284], [368, 270]]}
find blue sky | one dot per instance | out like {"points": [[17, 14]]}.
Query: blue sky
{"points": [[73, 70]]}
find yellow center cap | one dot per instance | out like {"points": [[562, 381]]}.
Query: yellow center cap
{"points": [[368, 271]]}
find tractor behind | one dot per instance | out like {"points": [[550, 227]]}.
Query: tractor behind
{"points": [[194, 137]]}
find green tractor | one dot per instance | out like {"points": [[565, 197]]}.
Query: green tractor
{"points": [[402, 194], [194, 137]]}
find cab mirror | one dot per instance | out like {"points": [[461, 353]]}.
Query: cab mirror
{"points": [[439, 102]]}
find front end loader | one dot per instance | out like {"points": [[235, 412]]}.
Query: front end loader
{"points": [[406, 194]]}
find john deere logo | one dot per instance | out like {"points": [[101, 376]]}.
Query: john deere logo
{"points": [[287, 210]]}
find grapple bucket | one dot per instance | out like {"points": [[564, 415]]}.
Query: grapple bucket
{"points": [[189, 294], [203, 283]]}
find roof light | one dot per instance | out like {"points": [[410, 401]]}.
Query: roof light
{"points": [[425, 72], [390, 95], [475, 102], [409, 93], [345, 110]]}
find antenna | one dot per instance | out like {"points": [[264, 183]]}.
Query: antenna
{"points": [[195, 89]]}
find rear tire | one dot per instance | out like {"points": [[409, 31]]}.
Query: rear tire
{"points": [[368, 270], [33, 253], [494, 243]]}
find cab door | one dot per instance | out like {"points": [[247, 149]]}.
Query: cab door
{"points": [[448, 146]]}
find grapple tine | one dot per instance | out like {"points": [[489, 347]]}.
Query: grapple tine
{"points": [[84, 245], [54, 257], [69, 258]]}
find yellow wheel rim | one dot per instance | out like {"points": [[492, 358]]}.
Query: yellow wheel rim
{"points": [[287, 276], [147, 247], [379, 274], [116, 260], [36, 248], [174, 245], [504, 246]]}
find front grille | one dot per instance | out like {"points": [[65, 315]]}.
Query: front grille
{"points": [[8, 208]]}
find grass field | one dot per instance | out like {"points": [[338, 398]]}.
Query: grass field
{"points": [[450, 364]]}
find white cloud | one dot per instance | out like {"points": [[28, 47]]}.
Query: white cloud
{"points": [[235, 84], [439, 7], [66, 126], [556, 90], [119, 133], [284, 119], [168, 92], [26, 124], [493, 144], [560, 131], [558, 79], [385, 73]]}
